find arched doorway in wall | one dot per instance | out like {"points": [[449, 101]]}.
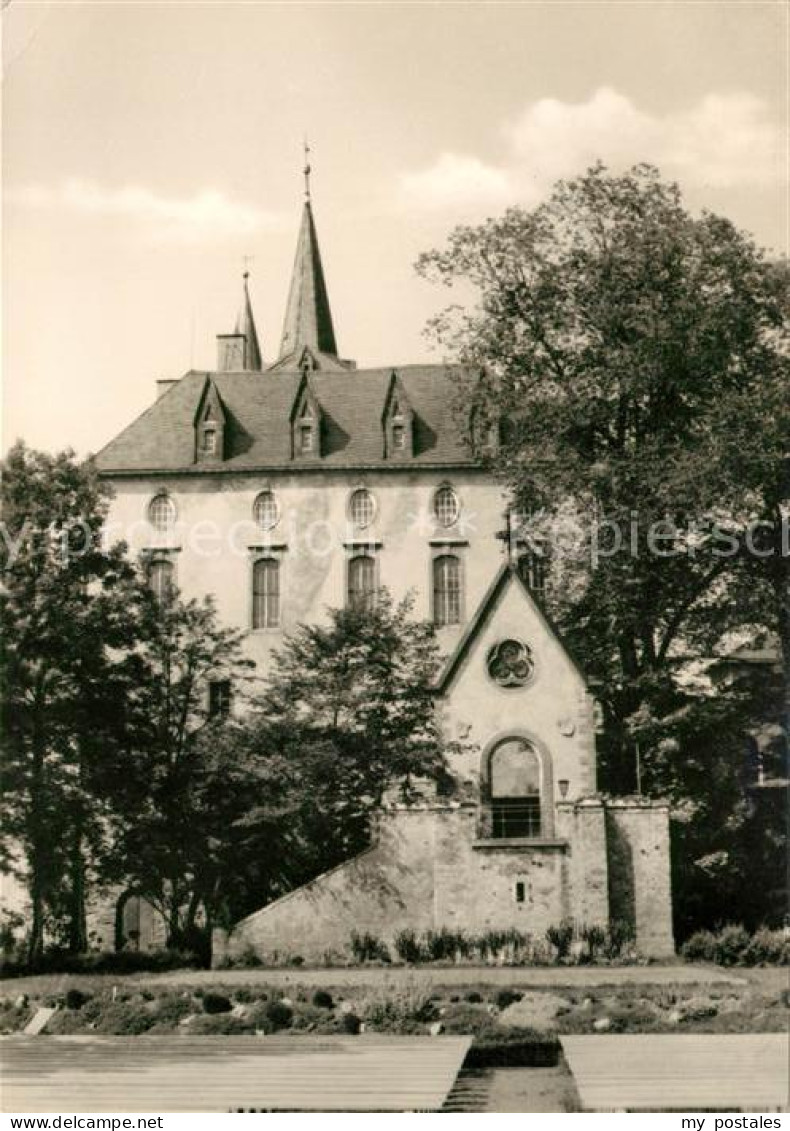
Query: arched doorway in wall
{"points": [[135, 923], [516, 790]]}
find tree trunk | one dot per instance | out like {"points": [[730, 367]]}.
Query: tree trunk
{"points": [[38, 838], [35, 945], [78, 924], [782, 588]]}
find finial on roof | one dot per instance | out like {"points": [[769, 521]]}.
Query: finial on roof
{"points": [[307, 170]]}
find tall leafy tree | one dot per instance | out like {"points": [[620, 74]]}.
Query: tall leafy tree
{"points": [[346, 724], [630, 387], [65, 618], [610, 328], [185, 782]]}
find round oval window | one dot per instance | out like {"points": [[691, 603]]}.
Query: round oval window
{"points": [[362, 508]]}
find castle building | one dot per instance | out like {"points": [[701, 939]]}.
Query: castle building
{"points": [[308, 483]]}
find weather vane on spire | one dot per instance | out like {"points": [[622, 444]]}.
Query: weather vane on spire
{"points": [[306, 170]]}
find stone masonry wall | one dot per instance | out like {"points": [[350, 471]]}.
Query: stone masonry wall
{"points": [[428, 870], [639, 872]]}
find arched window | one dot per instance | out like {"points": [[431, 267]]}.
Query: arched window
{"points": [[515, 778], [446, 590], [446, 506], [266, 593], [162, 513], [362, 508], [161, 578], [266, 510], [361, 582]]}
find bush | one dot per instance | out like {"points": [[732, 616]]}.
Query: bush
{"points": [[731, 944], [125, 1019], [369, 948], [619, 938], [595, 937], [507, 997], [401, 1009], [172, 1008], [463, 1017], [768, 948], [248, 959], [277, 1015], [350, 1023], [322, 999], [408, 947], [216, 1003], [473, 996], [444, 945], [58, 961], [700, 947], [13, 1017], [75, 999], [561, 938]]}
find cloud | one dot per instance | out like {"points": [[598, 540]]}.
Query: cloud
{"points": [[723, 141], [206, 216], [456, 180]]}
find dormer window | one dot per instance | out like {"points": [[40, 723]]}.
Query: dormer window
{"points": [[397, 420], [210, 426], [306, 422], [306, 437]]}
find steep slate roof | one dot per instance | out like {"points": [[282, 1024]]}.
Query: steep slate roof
{"points": [[258, 410]]}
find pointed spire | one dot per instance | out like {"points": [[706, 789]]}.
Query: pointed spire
{"points": [[245, 324], [308, 319]]}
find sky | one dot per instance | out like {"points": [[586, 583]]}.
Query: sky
{"points": [[149, 147]]}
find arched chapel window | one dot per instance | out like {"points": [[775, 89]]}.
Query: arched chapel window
{"points": [[515, 780], [446, 590], [362, 582], [266, 593]]}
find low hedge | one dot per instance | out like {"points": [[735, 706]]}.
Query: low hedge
{"points": [[103, 962], [732, 945], [513, 1048]]}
